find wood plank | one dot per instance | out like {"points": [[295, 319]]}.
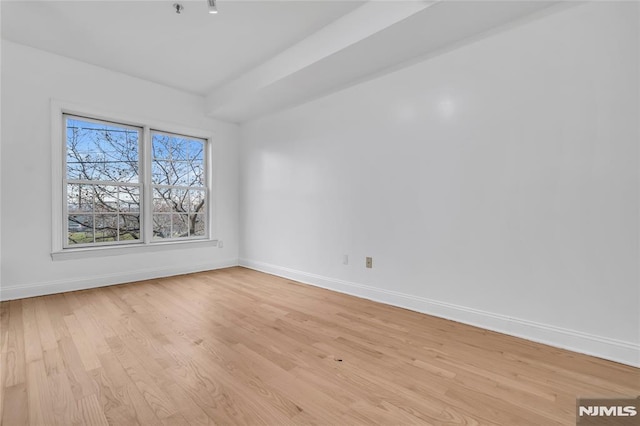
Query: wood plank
{"points": [[191, 411], [136, 368], [91, 328], [13, 367], [65, 409], [79, 379], [47, 335], [40, 402], [16, 408], [118, 387], [58, 308], [53, 362], [33, 346], [91, 411], [83, 344]]}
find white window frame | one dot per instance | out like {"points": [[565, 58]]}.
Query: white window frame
{"points": [[59, 222]]}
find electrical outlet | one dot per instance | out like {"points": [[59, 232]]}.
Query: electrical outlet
{"points": [[220, 244], [369, 262], [345, 259]]}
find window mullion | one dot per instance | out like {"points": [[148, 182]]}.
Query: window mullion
{"points": [[147, 190], [102, 182]]}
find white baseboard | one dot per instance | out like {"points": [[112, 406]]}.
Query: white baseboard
{"points": [[602, 347], [60, 286]]}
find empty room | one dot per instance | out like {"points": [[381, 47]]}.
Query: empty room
{"points": [[327, 212]]}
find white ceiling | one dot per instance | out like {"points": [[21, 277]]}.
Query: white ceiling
{"points": [[255, 57], [193, 51]]}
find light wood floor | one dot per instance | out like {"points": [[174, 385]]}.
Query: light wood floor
{"points": [[236, 346]]}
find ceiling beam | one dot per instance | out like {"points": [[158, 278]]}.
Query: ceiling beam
{"points": [[360, 24], [374, 38]]}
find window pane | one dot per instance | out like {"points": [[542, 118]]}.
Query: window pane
{"points": [[161, 200], [79, 198], [181, 173], [178, 200], [196, 162], [129, 198], [196, 149], [196, 173], [106, 227], [179, 226], [161, 172], [161, 226], [161, 147], [106, 198], [177, 160], [170, 199], [129, 227], [196, 201], [179, 148], [80, 228], [170, 173], [101, 151], [196, 225]]}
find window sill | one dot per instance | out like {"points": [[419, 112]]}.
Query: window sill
{"points": [[87, 252]]}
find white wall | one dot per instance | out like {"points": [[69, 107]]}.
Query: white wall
{"points": [[496, 184], [30, 78], [0, 159]]}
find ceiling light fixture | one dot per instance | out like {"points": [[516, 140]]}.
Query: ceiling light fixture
{"points": [[212, 6], [178, 7]]}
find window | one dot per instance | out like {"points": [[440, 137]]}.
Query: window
{"points": [[103, 183], [179, 191], [126, 184]]}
